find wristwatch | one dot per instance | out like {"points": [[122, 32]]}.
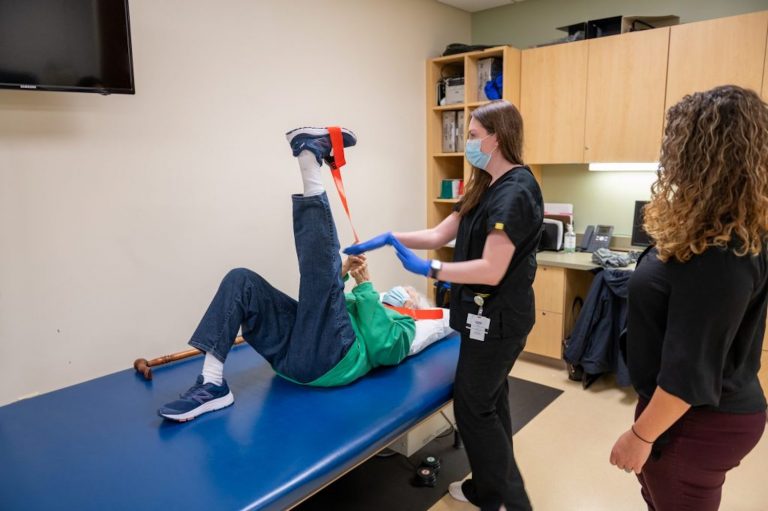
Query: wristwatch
{"points": [[434, 267]]}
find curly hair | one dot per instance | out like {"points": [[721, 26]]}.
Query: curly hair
{"points": [[712, 184]]}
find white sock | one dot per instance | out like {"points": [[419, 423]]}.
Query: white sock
{"points": [[310, 174], [213, 370]]}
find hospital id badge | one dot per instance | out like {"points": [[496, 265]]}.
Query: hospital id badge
{"points": [[478, 326]]}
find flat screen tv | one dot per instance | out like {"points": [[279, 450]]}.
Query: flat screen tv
{"points": [[66, 45]]}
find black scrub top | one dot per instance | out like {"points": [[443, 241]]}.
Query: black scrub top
{"points": [[513, 204], [696, 329]]}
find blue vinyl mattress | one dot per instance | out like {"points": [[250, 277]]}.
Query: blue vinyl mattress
{"points": [[100, 445]]}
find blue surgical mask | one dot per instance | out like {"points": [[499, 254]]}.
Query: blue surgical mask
{"points": [[474, 155], [397, 296]]}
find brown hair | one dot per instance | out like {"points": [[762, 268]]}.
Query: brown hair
{"points": [[712, 185], [502, 119]]}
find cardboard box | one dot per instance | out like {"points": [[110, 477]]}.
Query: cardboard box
{"points": [[487, 70], [460, 132], [424, 432], [454, 90], [449, 132], [619, 25], [635, 23]]}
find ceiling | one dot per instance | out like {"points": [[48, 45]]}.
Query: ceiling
{"points": [[478, 5]]}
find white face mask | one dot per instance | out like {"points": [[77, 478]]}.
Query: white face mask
{"points": [[475, 155]]}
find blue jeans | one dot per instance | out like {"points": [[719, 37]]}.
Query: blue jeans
{"points": [[301, 339]]}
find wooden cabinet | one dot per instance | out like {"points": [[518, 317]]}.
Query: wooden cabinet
{"points": [[605, 99], [553, 102], [626, 83], [722, 51], [555, 290]]}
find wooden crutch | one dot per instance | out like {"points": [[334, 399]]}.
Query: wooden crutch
{"points": [[144, 366]]}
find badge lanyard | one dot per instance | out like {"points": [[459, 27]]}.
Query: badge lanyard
{"points": [[477, 323]]}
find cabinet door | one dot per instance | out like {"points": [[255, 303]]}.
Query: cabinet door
{"points": [[553, 102], [549, 288], [723, 51], [546, 338], [625, 96]]}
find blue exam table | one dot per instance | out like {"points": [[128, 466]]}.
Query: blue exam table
{"points": [[99, 445]]}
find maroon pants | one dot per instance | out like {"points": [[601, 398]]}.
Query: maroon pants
{"points": [[687, 469]]}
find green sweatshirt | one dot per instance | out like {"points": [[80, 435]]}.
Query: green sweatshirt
{"points": [[383, 337]]}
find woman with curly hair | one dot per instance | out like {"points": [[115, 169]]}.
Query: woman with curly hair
{"points": [[697, 304]]}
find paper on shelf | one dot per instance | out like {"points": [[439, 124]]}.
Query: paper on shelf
{"points": [[558, 208]]}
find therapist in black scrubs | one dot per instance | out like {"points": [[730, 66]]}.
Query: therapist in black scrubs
{"points": [[497, 225]]}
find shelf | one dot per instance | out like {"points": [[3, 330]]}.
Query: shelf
{"points": [[443, 108], [446, 201], [447, 155], [477, 104], [450, 59]]}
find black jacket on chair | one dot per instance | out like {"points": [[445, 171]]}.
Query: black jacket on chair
{"points": [[594, 343]]}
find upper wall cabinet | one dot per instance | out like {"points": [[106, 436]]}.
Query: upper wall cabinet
{"points": [[625, 96], [722, 51], [552, 102]]}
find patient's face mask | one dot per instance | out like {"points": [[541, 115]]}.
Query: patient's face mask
{"points": [[397, 296], [475, 155]]}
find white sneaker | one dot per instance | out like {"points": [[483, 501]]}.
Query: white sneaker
{"points": [[454, 489]]}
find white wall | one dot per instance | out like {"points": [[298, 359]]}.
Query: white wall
{"points": [[119, 215]]}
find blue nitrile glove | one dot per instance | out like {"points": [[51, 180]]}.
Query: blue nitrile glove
{"points": [[411, 261], [372, 244]]}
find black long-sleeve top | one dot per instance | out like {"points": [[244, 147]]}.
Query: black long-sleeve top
{"points": [[696, 328]]}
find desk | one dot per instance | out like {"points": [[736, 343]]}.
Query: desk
{"points": [[560, 280]]}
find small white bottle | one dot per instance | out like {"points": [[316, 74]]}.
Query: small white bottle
{"points": [[569, 244]]}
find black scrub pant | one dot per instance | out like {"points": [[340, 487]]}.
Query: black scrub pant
{"points": [[481, 407]]}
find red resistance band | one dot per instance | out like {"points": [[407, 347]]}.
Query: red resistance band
{"points": [[417, 314], [337, 147]]}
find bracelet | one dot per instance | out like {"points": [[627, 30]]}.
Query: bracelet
{"points": [[638, 436]]}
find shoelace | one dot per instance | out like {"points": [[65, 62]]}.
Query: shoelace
{"points": [[196, 393]]}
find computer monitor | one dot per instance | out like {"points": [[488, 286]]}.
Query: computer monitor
{"points": [[639, 236]]}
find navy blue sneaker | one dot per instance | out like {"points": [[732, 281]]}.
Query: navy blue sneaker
{"points": [[199, 399], [318, 141]]}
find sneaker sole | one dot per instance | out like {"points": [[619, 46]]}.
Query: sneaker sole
{"points": [[210, 406], [454, 490], [316, 132]]}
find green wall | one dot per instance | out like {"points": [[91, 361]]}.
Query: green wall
{"points": [[598, 197], [534, 22]]}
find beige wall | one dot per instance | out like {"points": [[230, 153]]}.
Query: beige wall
{"points": [[119, 215]]}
